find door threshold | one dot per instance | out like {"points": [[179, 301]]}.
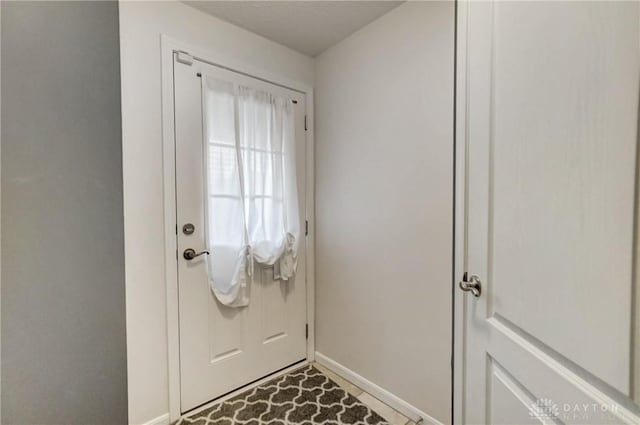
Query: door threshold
{"points": [[245, 387]]}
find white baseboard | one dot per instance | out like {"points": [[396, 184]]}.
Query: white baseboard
{"points": [[380, 393], [160, 420]]}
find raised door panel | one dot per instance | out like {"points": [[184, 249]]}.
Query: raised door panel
{"points": [[551, 133], [564, 117]]}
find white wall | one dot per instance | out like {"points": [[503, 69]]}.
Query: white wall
{"points": [[141, 24], [384, 166], [384, 193]]}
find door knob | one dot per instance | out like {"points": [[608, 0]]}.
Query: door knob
{"points": [[190, 253], [471, 284]]}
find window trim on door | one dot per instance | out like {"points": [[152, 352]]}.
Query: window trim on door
{"points": [[169, 46]]}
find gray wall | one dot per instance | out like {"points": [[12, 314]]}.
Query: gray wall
{"points": [[63, 306]]}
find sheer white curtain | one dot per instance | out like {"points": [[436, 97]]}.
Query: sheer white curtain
{"points": [[224, 204], [251, 200]]}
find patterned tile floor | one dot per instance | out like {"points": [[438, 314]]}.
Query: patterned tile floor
{"points": [[309, 395], [393, 417]]}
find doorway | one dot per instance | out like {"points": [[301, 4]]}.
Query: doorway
{"points": [[225, 346]]}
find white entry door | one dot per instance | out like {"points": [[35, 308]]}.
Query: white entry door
{"points": [[549, 102], [223, 348]]}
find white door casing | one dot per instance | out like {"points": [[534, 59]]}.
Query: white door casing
{"points": [[546, 156], [224, 348]]}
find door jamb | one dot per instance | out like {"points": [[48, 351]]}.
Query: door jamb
{"points": [[168, 47], [460, 210]]}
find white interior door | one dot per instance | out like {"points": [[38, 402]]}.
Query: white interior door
{"points": [[551, 98], [223, 348]]}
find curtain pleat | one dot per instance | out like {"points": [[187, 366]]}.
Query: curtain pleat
{"points": [[251, 199]]}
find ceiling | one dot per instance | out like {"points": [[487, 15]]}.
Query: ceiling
{"points": [[310, 27]]}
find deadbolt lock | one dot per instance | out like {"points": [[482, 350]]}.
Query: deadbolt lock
{"points": [[188, 229]]}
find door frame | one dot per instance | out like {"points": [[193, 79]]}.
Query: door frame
{"points": [[460, 208], [169, 46]]}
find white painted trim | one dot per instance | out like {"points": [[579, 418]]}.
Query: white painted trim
{"points": [[227, 62], [635, 309], [311, 217], [378, 392], [170, 242], [160, 420], [169, 45], [460, 212], [0, 256]]}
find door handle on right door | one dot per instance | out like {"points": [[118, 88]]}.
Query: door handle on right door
{"points": [[471, 284]]}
